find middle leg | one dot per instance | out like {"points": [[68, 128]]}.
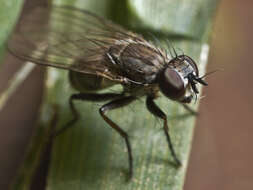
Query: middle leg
{"points": [[123, 101]]}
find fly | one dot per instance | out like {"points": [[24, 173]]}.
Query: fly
{"points": [[100, 54]]}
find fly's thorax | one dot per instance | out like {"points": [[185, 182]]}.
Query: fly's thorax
{"points": [[145, 52], [137, 61], [88, 82]]}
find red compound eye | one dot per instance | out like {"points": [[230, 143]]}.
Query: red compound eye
{"points": [[171, 84]]}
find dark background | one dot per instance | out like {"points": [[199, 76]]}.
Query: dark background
{"points": [[222, 153]]}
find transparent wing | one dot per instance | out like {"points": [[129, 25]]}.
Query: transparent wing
{"points": [[67, 38]]}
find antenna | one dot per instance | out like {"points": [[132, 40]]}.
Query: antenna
{"points": [[211, 72]]}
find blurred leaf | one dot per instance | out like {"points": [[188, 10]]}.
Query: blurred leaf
{"points": [[93, 156], [189, 18], [9, 11]]}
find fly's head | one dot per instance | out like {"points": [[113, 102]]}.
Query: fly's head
{"points": [[179, 78]]}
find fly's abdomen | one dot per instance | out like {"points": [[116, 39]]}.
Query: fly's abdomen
{"points": [[88, 82]]}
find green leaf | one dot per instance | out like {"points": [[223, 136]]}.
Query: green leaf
{"points": [[189, 18], [91, 155]]}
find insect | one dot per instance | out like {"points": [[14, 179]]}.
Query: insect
{"points": [[100, 54]]}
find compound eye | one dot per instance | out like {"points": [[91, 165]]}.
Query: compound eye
{"points": [[171, 84], [173, 78]]}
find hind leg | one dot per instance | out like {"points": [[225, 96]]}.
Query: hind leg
{"points": [[84, 97]]}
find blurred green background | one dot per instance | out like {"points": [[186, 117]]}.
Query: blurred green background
{"points": [[222, 153]]}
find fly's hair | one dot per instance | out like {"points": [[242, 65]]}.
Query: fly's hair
{"points": [[168, 47]]}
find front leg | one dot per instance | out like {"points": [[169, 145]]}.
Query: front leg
{"points": [[189, 109], [156, 111]]}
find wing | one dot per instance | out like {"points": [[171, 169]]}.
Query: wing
{"points": [[67, 38]]}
